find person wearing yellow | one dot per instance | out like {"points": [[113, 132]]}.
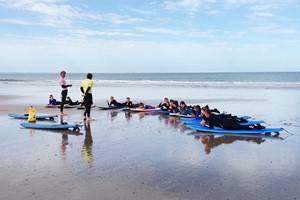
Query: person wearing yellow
{"points": [[86, 89]]}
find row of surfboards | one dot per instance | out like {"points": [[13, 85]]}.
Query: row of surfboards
{"points": [[192, 123]]}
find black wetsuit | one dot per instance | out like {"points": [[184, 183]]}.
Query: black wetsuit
{"points": [[164, 106], [114, 103], [225, 123], [128, 104]]}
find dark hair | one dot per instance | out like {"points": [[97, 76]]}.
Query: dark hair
{"points": [[89, 76], [62, 72], [182, 102], [198, 107], [176, 103], [206, 109]]}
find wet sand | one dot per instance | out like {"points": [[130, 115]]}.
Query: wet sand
{"points": [[123, 155]]}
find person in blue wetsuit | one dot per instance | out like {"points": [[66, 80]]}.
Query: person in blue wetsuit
{"points": [[196, 112], [52, 101], [183, 109]]}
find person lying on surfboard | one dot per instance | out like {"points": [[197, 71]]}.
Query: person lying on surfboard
{"points": [[183, 109], [196, 112], [164, 105], [143, 106], [70, 102], [113, 102], [128, 103], [52, 101], [174, 106], [223, 122]]}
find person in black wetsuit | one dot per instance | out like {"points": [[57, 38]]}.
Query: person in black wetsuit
{"points": [[113, 102], [128, 103], [164, 105], [223, 122]]}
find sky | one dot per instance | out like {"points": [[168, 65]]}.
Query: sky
{"points": [[149, 36]]}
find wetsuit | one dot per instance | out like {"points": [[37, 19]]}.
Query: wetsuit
{"points": [[128, 104], [225, 123], [64, 92], [86, 88], [114, 103], [164, 106]]}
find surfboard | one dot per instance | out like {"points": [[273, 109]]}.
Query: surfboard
{"points": [[83, 107], [143, 110], [70, 106], [54, 106], [220, 130], [197, 122], [51, 126], [38, 117], [179, 115], [110, 107]]}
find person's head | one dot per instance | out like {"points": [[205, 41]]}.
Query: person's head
{"points": [[166, 100], [182, 104], [171, 102], [51, 96], [111, 98], [175, 103], [197, 108], [205, 110], [141, 105], [89, 76], [63, 74], [68, 98], [127, 99]]}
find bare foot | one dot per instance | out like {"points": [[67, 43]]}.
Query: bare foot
{"points": [[62, 114], [89, 119]]}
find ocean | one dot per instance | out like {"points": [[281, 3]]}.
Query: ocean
{"points": [[290, 80]]}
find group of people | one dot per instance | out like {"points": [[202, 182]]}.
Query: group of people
{"points": [[210, 118], [86, 90]]}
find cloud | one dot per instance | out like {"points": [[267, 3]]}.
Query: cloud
{"points": [[56, 13], [262, 14], [264, 7], [87, 33], [15, 21], [274, 29], [189, 6]]}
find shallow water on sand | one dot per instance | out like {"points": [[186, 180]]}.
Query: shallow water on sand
{"points": [[143, 156]]}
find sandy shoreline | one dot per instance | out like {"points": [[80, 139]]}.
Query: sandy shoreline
{"points": [[144, 156]]}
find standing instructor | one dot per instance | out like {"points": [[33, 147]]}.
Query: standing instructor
{"points": [[64, 91], [86, 89]]}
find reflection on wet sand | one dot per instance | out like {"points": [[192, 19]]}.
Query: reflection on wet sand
{"points": [[212, 141], [87, 149], [174, 122], [63, 146]]}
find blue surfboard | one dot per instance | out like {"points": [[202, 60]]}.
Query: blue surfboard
{"points": [[249, 123], [220, 130], [38, 117], [51, 126]]}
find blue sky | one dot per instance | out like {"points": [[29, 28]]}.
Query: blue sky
{"points": [[149, 36]]}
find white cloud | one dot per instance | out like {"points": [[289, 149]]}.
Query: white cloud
{"points": [[262, 14], [15, 21], [86, 33], [264, 7], [189, 6], [275, 29]]}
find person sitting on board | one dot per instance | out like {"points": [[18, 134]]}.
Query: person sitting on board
{"points": [[183, 109], [225, 115], [223, 122], [52, 101], [128, 103], [113, 102], [196, 112], [165, 105]]}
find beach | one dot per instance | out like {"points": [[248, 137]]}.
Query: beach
{"points": [[122, 155]]}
